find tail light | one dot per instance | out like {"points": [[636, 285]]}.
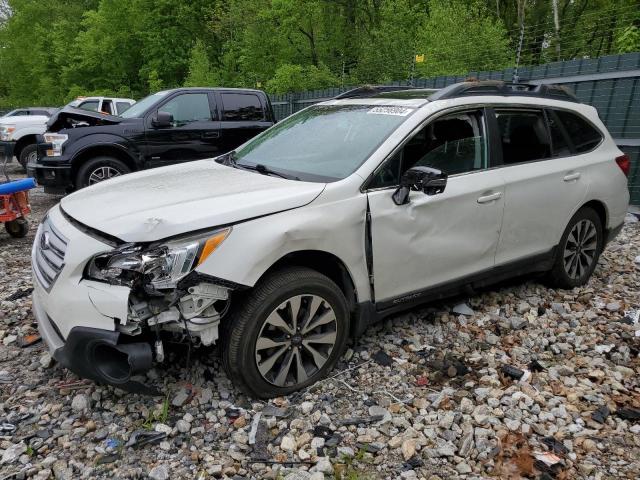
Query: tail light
{"points": [[624, 163]]}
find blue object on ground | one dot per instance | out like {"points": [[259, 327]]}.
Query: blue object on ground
{"points": [[17, 186]]}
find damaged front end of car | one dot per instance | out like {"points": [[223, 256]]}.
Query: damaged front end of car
{"points": [[167, 298]]}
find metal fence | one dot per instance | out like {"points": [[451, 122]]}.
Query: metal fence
{"points": [[610, 83]]}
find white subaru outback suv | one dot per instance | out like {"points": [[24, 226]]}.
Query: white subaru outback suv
{"points": [[343, 213]]}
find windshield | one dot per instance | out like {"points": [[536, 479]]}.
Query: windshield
{"points": [[9, 114], [323, 143], [137, 109]]}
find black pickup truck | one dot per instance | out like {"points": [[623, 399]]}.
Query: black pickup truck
{"points": [[81, 148]]}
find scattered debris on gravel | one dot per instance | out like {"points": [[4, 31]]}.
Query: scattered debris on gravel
{"points": [[517, 382]]}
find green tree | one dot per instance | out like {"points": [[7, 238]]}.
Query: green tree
{"points": [[200, 72]]}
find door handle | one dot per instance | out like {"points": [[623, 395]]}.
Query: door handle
{"points": [[208, 135], [570, 177], [492, 197]]}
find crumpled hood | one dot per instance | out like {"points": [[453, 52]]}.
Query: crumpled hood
{"points": [[163, 202], [64, 117]]}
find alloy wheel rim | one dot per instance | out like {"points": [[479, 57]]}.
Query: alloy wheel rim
{"points": [[296, 340], [101, 174], [580, 249]]}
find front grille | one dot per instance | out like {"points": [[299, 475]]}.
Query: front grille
{"points": [[49, 249]]}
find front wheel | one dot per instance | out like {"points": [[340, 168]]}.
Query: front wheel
{"points": [[29, 154], [579, 250], [99, 169], [288, 333]]}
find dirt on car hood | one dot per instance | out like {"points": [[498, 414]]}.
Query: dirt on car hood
{"points": [[68, 117], [155, 204]]}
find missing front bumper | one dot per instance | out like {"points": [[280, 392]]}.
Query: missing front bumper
{"points": [[97, 354]]}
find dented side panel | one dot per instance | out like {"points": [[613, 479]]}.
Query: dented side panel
{"points": [[435, 239]]}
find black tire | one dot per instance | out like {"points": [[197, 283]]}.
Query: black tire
{"points": [[17, 228], [245, 325], [563, 275], [84, 178], [28, 151]]}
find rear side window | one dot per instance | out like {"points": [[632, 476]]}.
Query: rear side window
{"points": [[242, 107], [523, 135], [122, 107], [584, 136]]}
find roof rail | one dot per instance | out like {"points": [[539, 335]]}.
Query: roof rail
{"points": [[499, 88], [371, 90]]}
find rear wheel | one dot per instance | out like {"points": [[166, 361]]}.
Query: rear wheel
{"points": [[29, 154], [579, 250], [99, 169], [288, 333], [17, 228]]}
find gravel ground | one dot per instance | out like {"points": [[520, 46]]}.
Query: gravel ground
{"points": [[422, 395]]}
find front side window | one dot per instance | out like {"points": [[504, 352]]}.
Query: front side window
{"points": [[91, 105], [324, 142], [138, 109], [242, 107], [523, 134], [188, 108], [454, 144], [584, 136]]}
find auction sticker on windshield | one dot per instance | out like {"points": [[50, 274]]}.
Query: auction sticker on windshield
{"points": [[399, 111]]}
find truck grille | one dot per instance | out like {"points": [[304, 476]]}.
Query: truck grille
{"points": [[49, 249]]}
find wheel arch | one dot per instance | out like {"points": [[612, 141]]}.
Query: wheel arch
{"points": [[325, 263], [600, 208], [102, 150], [23, 142]]}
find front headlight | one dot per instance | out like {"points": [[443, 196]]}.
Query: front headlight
{"points": [[159, 265], [56, 140], [6, 131]]}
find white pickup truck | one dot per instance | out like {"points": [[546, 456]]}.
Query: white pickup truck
{"points": [[18, 133]]}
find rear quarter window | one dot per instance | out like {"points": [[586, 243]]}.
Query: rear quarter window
{"points": [[238, 107], [583, 136]]}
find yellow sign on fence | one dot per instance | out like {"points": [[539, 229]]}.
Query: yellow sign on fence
{"points": [[420, 58]]}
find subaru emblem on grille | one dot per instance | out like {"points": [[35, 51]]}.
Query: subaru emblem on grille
{"points": [[44, 241]]}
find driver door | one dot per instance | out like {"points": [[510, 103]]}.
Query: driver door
{"points": [[441, 238]]}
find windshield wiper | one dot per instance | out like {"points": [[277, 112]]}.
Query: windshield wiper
{"points": [[264, 170]]}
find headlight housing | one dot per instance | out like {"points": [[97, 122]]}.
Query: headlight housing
{"points": [[6, 131], [56, 140], [160, 265]]}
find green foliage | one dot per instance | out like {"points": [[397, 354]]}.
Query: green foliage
{"points": [[289, 78], [200, 72], [156, 416], [54, 50], [459, 36]]}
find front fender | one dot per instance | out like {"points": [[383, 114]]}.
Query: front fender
{"points": [[336, 227], [80, 147], [31, 130]]}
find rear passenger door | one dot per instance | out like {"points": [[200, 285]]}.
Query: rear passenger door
{"points": [[244, 115], [544, 182], [194, 133]]}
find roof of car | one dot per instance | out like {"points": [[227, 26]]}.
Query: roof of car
{"points": [[225, 89], [463, 89]]}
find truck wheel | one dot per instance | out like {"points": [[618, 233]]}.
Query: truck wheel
{"points": [[99, 169], [29, 154], [17, 228], [287, 334]]}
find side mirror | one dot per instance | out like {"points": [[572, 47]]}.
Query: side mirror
{"points": [[426, 179], [162, 120]]}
